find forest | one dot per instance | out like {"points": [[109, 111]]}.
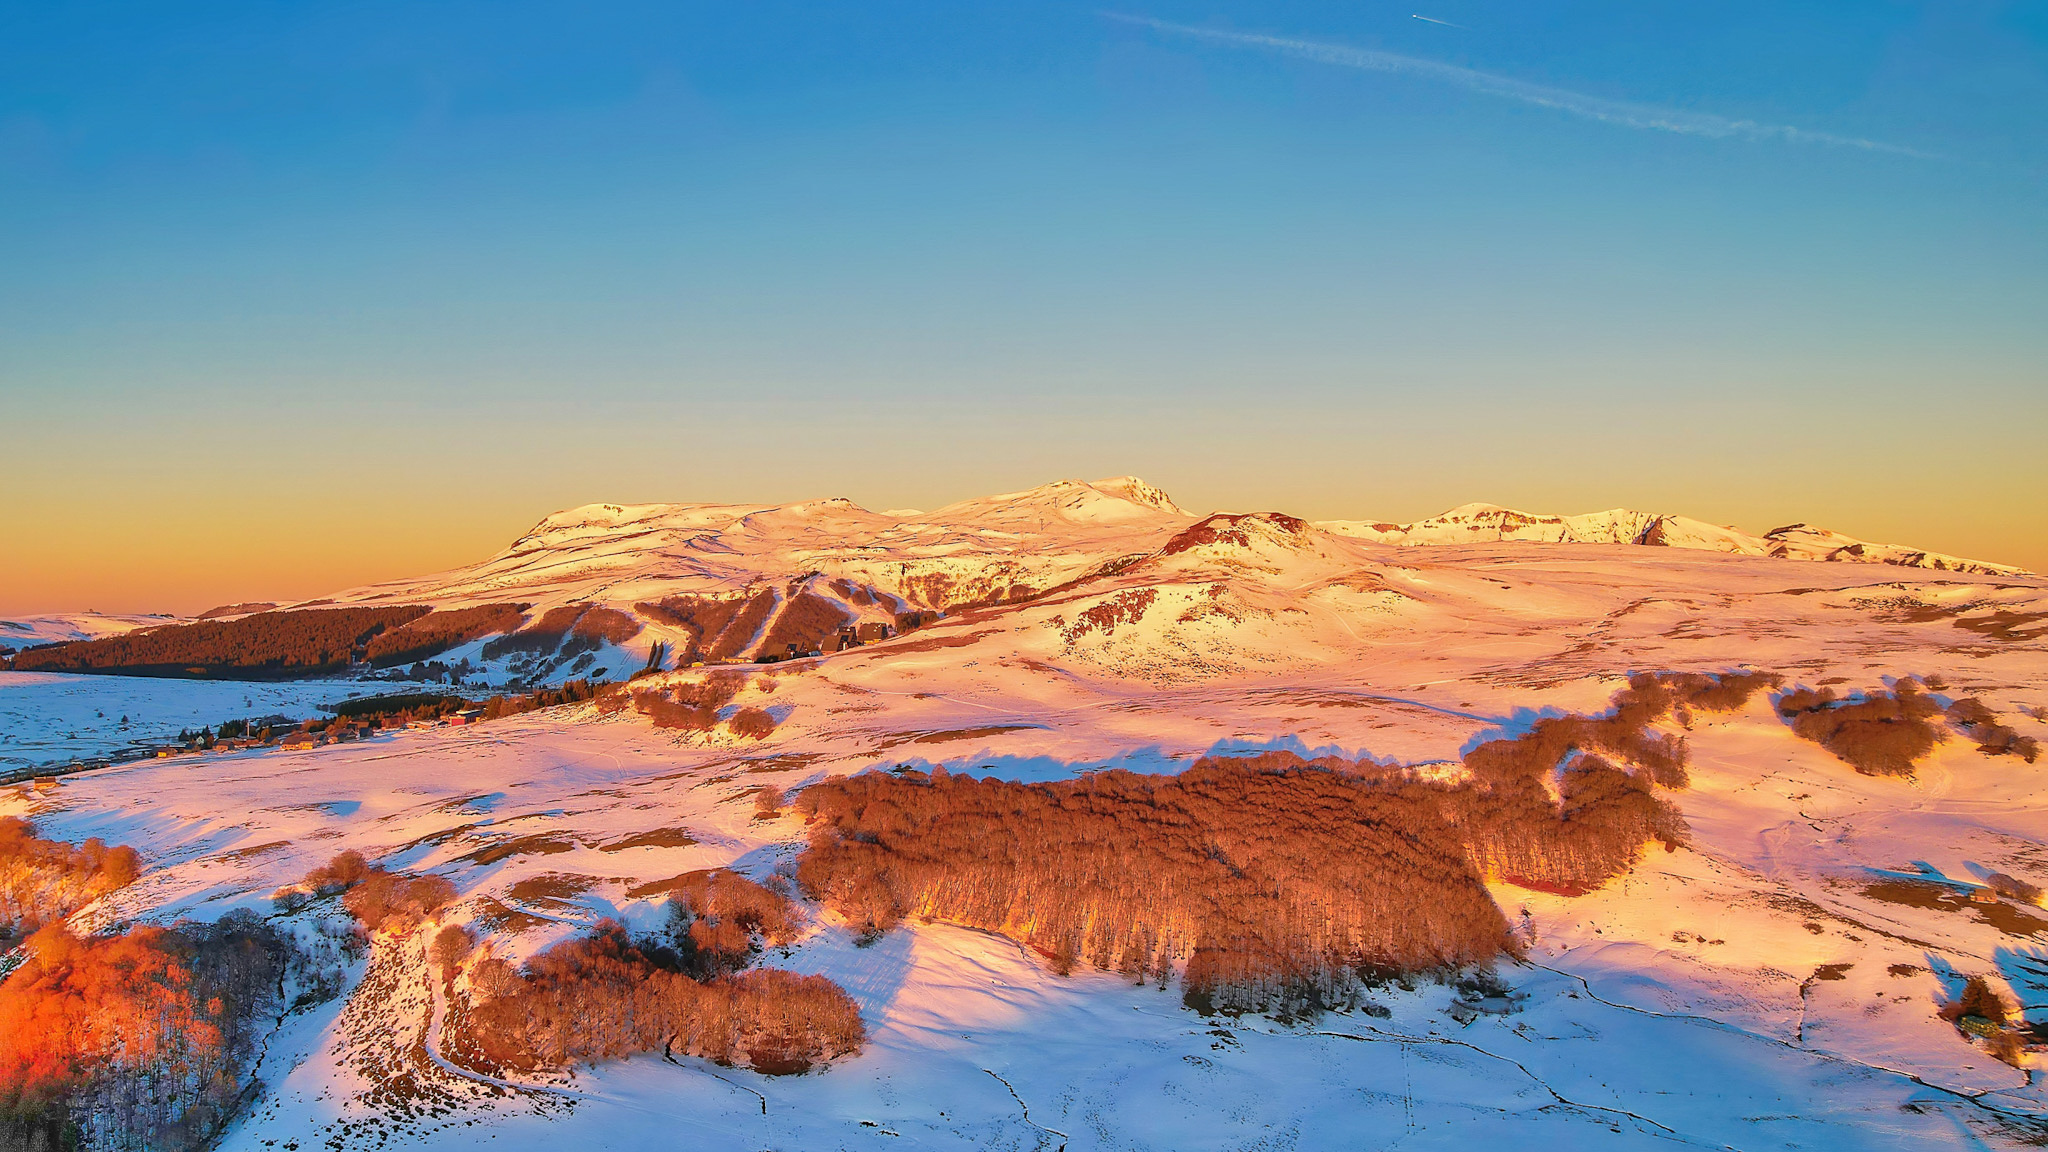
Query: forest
{"points": [[268, 645], [806, 621], [1270, 882], [719, 628], [438, 631], [140, 1039]]}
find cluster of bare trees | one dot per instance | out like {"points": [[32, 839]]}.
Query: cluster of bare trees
{"points": [[719, 921], [1877, 733], [1258, 880], [604, 995], [1980, 1013], [692, 705], [1973, 719], [303, 642], [1269, 880], [379, 899], [437, 632], [43, 881]]}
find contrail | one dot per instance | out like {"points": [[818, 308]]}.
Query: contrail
{"points": [[1434, 20], [1624, 113]]}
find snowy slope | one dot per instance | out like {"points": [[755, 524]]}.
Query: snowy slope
{"points": [[1759, 987], [58, 627], [873, 567]]}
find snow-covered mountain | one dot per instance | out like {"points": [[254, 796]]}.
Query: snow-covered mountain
{"points": [[1477, 523], [810, 566], [60, 627], [603, 589], [1773, 974]]}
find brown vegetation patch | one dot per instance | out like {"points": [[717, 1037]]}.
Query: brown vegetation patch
{"points": [[1126, 607], [253, 851], [752, 723], [1878, 734], [787, 762], [738, 635], [700, 616], [1230, 529], [377, 898], [929, 644], [551, 888], [266, 645], [658, 838], [692, 706], [535, 845], [604, 996], [606, 625], [437, 632], [1924, 894], [955, 734], [497, 917], [2005, 624], [1970, 717], [539, 638]]}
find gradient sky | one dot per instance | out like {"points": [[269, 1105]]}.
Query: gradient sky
{"points": [[299, 296]]}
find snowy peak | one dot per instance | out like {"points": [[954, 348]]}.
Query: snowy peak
{"points": [[1138, 492], [1119, 500]]}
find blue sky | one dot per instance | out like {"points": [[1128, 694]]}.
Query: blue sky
{"points": [[303, 264]]}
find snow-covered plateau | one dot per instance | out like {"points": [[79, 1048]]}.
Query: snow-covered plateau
{"points": [[1773, 979]]}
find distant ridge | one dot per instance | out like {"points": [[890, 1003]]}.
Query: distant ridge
{"points": [[1490, 523]]}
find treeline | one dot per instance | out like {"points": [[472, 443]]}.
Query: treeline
{"points": [[1270, 881], [303, 642], [44, 881], [437, 632], [568, 692], [142, 1040]]}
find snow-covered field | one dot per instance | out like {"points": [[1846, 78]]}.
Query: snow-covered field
{"points": [[51, 718], [1759, 987]]}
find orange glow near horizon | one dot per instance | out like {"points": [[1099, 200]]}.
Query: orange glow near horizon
{"points": [[75, 549]]}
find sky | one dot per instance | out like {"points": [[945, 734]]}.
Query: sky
{"points": [[295, 297]]}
